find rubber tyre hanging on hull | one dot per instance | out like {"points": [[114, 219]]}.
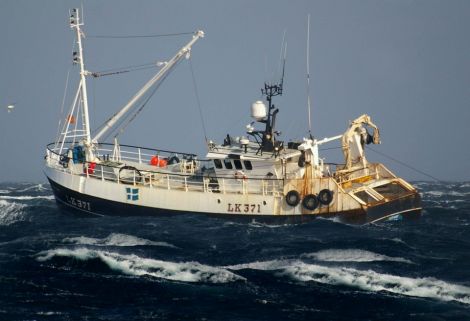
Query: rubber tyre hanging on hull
{"points": [[136, 178], [310, 202], [293, 198], [325, 196]]}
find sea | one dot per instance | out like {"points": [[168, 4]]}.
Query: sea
{"points": [[56, 265]]}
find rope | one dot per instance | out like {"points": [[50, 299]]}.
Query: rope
{"points": [[140, 36], [121, 70], [129, 120], [197, 99], [406, 165]]}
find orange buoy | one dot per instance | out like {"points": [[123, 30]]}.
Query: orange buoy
{"points": [[154, 160], [90, 168], [162, 162], [71, 119]]}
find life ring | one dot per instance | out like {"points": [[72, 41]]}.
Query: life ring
{"points": [[293, 198], [310, 202], [239, 175], [325, 196]]}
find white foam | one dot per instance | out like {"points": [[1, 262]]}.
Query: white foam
{"points": [[137, 266], [37, 188], [434, 193], [373, 281], [367, 280], [10, 212], [115, 239], [27, 197], [352, 255], [4, 191]]}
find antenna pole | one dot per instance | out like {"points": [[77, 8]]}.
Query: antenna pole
{"points": [[75, 24], [308, 77]]}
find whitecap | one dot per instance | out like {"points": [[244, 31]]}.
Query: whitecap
{"points": [[138, 266], [367, 280], [4, 191], [27, 197], [37, 188], [352, 255], [10, 212], [116, 239], [434, 193], [375, 282]]}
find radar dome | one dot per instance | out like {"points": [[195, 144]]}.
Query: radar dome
{"points": [[258, 110]]}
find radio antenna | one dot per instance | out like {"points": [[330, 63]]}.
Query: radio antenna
{"points": [[308, 78]]}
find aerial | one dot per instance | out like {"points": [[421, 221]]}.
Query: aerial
{"points": [[140, 152]]}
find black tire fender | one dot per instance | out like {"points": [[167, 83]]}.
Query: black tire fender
{"points": [[310, 202], [293, 198], [325, 196]]}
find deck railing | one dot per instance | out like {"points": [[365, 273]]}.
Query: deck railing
{"points": [[189, 174]]}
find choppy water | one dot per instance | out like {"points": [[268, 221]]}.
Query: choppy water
{"points": [[56, 266]]}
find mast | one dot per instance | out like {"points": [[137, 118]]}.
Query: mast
{"points": [[185, 51], [78, 58]]}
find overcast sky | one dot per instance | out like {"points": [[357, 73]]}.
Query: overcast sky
{"points": [[405, 63]]}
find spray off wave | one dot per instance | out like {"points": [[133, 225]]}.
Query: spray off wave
{"points": [[353, 255], [366, 280], [138, 266], [116, 239], [10, 212]]}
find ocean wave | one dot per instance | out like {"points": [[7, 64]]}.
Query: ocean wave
{"points": [[4, 191], [116, 239], [352, 255], [27, 197], [367, 280], [37, 188], [10, 212], [436, 193], [375, 282], [138, 266]]}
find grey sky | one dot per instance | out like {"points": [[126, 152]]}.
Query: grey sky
{"points": [[405, 63]]}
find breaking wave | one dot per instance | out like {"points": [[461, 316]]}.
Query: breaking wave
{"points": [[353, 255], [10, 212], [367, 280], [37, 188], [138, 266], [26, 197], [116, 239], [4, 191]]}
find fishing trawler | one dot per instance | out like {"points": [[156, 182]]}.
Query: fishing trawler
{"points": [[256, 176]]}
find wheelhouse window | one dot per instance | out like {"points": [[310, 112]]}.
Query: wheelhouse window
{"points": [[217, 163], [228, 163], [248, 165], [237, 163]]}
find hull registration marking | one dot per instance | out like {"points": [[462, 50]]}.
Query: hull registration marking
{"points": [[78, 203], [243, 208]]}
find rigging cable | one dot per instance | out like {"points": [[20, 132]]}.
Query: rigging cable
{"points": [[406, 165], [130, 117], [197, 99], [121, 70], [62, 108], [140, 36]]}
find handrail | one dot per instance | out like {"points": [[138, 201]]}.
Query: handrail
{"points": [[195, 176]]}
